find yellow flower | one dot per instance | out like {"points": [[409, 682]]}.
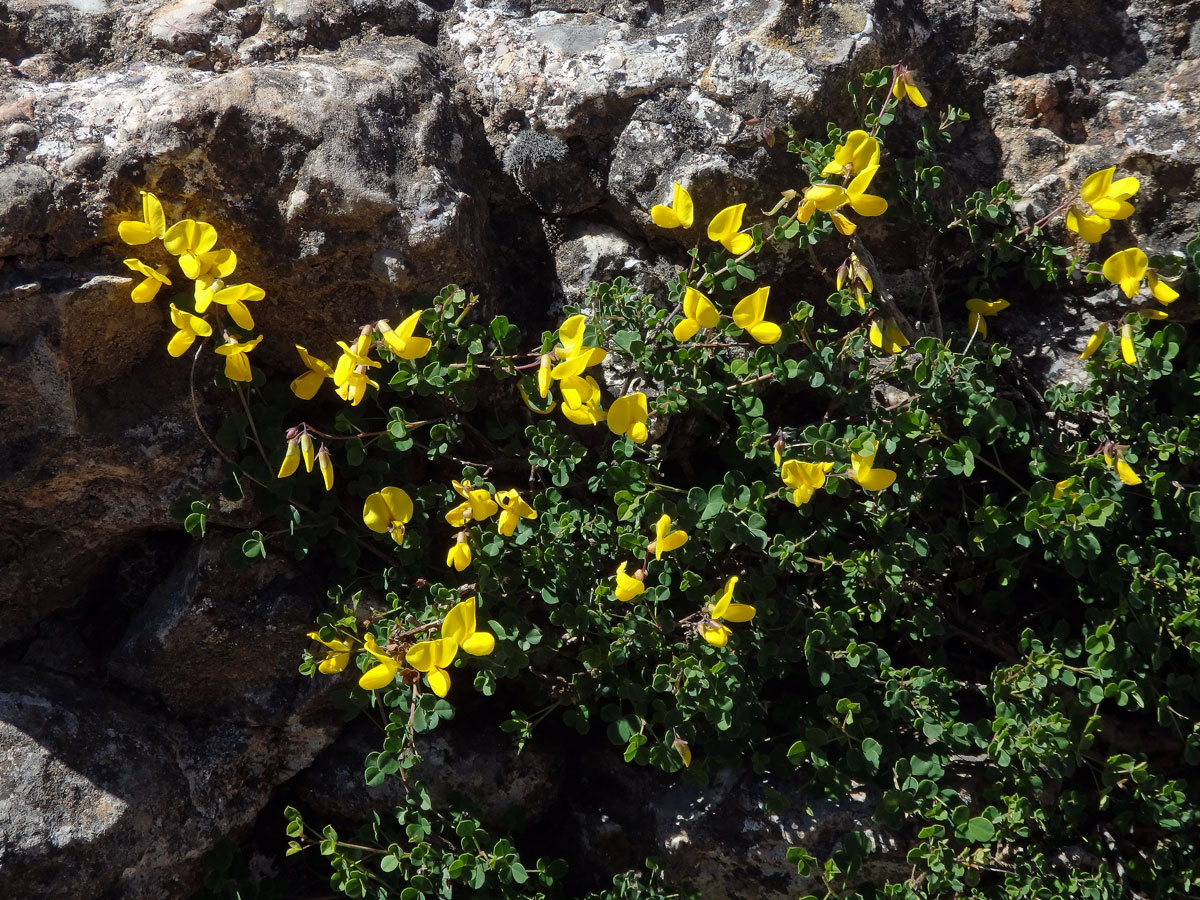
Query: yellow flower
{"points": [[477, 505], [308, 451], [460, 627], [905, 86], [153, 224], [1104, 199], [306, 386], [291, 459], [581, 400], [1162, 291], [748, 315], [234, 298], [190, 241], [543, 375], [382, 675], [871, 479], [855, 274], [1127, 351], [1062, 489], [153, 279], [433, 657], [829, 198], [725, 229], [355, 387], [512, 509], [237, 367], [978, 310], [189, 328], [459, 555], [1114, 457], [698, 312], [679, 214], [353, 358], [804, 478], [325, 464], [1126, 268], [1095, 341], [859, 151], [665, 539], [887, 337], [628, 415], [388, 511], [336, 659], [723, 607], [401, 341], [629, 586], [684, 751], [574, 355]]}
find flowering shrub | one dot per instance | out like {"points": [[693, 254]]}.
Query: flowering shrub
{"points": [[729, 526]]}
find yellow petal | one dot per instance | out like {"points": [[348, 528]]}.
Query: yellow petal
{"points": [[826, 197], [766, 332], [146, 291], [914, 95], [306, 386], [1162, 291], [376, 515], [135, 233], [180, 342], [1126, 268], [189, 236], [1126, 473], [868, 205], [291, 459], [664, 217], [152, 215], [425, 656], [1127, 351], [715, 633], [726, 223], [842, 224], [377, 677], [1095, 341], [721, 604], [459, 623], [876, 479], [738, 612], [1090, 228], [685, 329], [571, 334], [399, 503], [738, 244], [439, 681], [698, 307], [1096, 185], [481, 643], [751, 309]]}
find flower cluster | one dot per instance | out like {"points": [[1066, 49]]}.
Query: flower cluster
{"points": [[193, 243]]}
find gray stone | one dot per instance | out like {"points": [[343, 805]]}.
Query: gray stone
{"points": [[24, 205]]}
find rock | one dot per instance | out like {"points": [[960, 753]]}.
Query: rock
{"points": [[200, 615], [24, 205], [184, 25], [510, 791]]}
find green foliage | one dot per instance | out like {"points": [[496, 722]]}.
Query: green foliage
{"points": [[999, 628]]}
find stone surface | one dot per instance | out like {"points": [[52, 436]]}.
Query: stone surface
{"points": [[359, 154], [132, 777]]}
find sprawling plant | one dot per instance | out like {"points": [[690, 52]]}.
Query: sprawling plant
{"points": [[724, 526]]}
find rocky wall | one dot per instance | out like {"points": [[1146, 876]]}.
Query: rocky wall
{"points": [[359, 154]]}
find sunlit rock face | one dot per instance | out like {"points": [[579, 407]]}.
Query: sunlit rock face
{"points": [[358, 155]]}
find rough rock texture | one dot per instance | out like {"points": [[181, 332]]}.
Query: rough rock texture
{"points": [[359, 154]]}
